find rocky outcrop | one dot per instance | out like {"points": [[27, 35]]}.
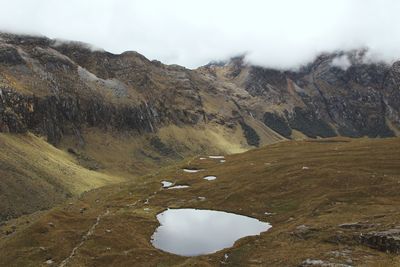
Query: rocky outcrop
{"points": [[277, 123], [387, 241], [307, 122], [54, 116], [253, 139], [304, 232], [321, 263]]}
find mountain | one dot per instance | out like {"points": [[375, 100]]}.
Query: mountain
{"points": [[55, 89], [322, 99], [123, 116]]}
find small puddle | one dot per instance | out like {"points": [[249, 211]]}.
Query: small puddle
{"points": [[210, 177], [192, 232], [166, 184], [191, 170], [179, 187]]}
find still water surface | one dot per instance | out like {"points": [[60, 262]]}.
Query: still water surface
{"points": [[192, 232]]}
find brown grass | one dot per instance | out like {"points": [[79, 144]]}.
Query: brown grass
{"points": [[346, 181], [35, 175]]}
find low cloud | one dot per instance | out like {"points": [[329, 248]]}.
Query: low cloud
{"points": [[280, 34], [342, 62]]}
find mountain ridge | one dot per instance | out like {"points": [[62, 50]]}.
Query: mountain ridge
{"points": [[131, 77]]}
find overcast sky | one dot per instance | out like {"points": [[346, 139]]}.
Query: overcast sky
{"points": [[280, 33]]}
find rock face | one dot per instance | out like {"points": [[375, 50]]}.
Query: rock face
{"points": [[321, 263], [54, 89], [54, 116], [320, 99], [387, 241]]}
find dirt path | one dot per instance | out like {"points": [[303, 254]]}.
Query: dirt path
{"points": [[84, 238], [92, 229]]}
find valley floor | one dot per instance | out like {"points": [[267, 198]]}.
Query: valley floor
{"points": [[329, 201]]}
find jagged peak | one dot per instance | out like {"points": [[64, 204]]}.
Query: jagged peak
{"points": [[24, 39], [236, 60]]}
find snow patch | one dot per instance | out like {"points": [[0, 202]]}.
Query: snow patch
{"points": [[179, 187], [191, 170], [216, 157], [166, 184]]}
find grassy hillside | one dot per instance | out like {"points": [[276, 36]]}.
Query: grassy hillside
{"points": [[35, 175], [311, 190], [130, 155]]}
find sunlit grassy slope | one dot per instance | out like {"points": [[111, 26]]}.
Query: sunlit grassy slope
{"points": [[320, 184], [134, 155], [35, 175], [131, 154]]}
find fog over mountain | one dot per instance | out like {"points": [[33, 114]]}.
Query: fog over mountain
{"points": [[281, 34]]}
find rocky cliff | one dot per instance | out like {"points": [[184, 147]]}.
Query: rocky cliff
{"points": [[55, 88], [321, 99], [44, 90]]}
